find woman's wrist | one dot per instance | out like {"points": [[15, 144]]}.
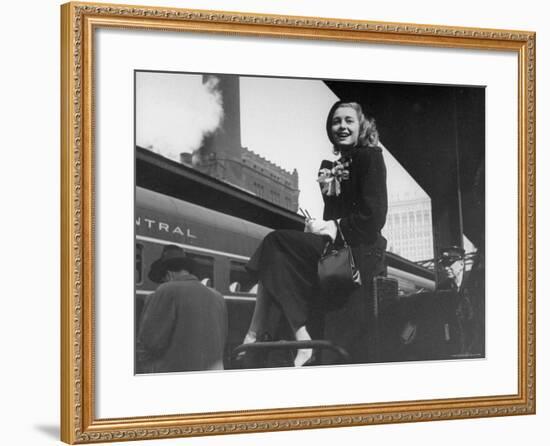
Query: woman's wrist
{"points": [[322, 227], [331, 229]]}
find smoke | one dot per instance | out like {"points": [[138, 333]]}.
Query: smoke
{"points": [[175, 112]]}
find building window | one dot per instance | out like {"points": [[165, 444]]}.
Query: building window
{"points": [[259, 189], [275, 196]]}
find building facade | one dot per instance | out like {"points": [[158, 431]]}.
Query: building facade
{"points": [[409, 228], [269, 181]]}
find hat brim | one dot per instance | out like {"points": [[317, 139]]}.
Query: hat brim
{"points": [[178, 263], [449, 262], [160, 267]]}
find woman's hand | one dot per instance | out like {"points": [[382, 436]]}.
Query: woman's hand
{"points": [[321, 227], [310, 222]]}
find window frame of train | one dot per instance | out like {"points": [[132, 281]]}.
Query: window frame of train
{"points": [[204, 263], [238, 267], [89, 412]]}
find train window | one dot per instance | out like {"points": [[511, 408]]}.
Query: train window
{"points": [[204, 268], [235, 287], [240, 280], [139, 264]]}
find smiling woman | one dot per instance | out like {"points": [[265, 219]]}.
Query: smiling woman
{"points": [[285, 264]]}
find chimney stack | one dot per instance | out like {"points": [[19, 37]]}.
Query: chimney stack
{"points": [[221, 152]]}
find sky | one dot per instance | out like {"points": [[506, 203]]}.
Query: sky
{"points": [[281, 119], [173, 112]]}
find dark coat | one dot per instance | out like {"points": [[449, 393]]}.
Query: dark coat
{"points": [[183, 327], [363, 203]]}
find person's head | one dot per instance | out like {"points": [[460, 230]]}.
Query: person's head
{"points": [[349, 127], [451, 265], [172, 264]]}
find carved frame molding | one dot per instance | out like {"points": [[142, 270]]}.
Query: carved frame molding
{"points": [[78, 424]]}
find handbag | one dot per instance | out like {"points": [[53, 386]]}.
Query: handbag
{"points": [[338, 274]]}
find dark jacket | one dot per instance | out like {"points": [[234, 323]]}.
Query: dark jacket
{"points": [[183, 327], [363, 202], [362, 206]]}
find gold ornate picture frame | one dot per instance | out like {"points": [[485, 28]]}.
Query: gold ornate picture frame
{"points": [[79, 56]]}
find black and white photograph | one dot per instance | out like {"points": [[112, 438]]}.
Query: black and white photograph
{"points": [[296, 222]]}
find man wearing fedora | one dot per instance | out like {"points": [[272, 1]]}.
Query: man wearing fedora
{"points": [[183, 325]]}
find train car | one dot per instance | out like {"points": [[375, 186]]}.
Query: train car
{"points": [[220, 245]]}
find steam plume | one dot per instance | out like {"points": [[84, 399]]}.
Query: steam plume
{"points": [[175, 112]]}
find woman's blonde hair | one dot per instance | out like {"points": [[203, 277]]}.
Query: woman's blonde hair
{"points": [[368, 133]]}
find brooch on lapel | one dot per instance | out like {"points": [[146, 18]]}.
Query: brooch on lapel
{"points": [[330, 179]]}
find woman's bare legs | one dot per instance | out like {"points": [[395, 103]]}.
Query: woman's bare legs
{"points": [[259, 324], [259, 320], [303, 354]]}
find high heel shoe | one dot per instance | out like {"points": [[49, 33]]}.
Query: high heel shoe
{"points": [[312, 360]]}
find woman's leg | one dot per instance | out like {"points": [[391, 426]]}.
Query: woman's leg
{"points": [[287, 261], [259, 321], [303, 354]]}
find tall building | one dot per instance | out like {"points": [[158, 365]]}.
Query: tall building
{"points": [[222, 156], [409, 228]]}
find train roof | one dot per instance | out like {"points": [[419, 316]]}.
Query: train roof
{"points": [[174, 208]]}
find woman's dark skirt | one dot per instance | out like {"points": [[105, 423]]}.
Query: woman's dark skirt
{"points": [[286, 263]]}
